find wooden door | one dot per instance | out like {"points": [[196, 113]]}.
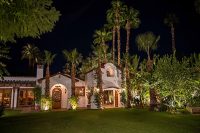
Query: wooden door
{"points": [[56, 98], [116, 98]]}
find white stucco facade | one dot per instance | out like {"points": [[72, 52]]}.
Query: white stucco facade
{"points": [[19, 90], [112, 80]]}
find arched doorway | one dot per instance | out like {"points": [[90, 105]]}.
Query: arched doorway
{"points": [[56, 98]]}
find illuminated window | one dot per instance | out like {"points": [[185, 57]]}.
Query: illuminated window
{"points": [[5, 97], [108, 97], [110, 72], [26, 97], [80, 91]]}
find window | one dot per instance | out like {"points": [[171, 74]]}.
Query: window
{"points": [[80, 91], [108, 97], [5, 97], [26, 97], [110, 72]]}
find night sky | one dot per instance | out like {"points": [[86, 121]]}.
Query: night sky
{"points": [[80, 18]]}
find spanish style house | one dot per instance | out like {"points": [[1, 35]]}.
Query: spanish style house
{"points": [[17, 92]]}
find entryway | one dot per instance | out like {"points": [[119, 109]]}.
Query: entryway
{"points": [[56, 98]]}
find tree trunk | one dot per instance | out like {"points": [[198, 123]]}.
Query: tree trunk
{"points": [[104, 52], [118, 46], [127, 36], [173, 39], [47, 81], [153, 100], [113, 44], [73, 79], [100, 84], [128, 86], [152, 91]]}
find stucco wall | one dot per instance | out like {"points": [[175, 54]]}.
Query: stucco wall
{"points": [[65, 86]]}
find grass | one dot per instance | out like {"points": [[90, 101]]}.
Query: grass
{"points": [[97, 121]]}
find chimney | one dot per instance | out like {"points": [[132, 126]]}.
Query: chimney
{"points": [[40, 72]]}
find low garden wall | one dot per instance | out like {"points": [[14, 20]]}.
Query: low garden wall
{"points": [[194, 110]]}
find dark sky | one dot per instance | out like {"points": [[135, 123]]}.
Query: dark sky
{"points": [[80, 18]]}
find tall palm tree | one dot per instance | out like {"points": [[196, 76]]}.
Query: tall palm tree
{"points": [[170, 21], [111, 26], [32, 53], [116, 12], [101, 37], [147, 42], [74, 58], [98, 51], [4, 51], [48, 60], [132, 22], [131, 71]]}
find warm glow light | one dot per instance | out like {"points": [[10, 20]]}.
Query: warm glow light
{"points": [[46, 107]]}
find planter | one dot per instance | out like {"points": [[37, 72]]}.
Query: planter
{"points": [[194, 110]]}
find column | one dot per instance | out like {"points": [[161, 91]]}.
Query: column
{"points": [[12, 98], [15, 97]]}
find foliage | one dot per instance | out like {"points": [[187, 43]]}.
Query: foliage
{"points": [[147, 42], [195, 101], [46, 103], [97, 99], [32, 53], [170, 20], [49, 57], [26, 18], [4, 51], [197, 6], [131, 18], [73, 100], [72, 56], [175, 81], [102, 36], [37, 93], [1, 110], [123, 97]]}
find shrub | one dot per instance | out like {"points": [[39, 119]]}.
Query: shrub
{"points": [[37, 93], [46, 103], [97, 99], [123, 97], [1, 110], [73, 101]]}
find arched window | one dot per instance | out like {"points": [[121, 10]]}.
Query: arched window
{"points": [[110, 72]]}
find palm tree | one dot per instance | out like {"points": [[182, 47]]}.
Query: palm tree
{"points": [[170, 21], [101, 37], [74, 58], [98, 51], [147, 42], [32, 53], [116, 13], [132, 22], [111, 26], [131, 72], [48, 60], [4, 51]]}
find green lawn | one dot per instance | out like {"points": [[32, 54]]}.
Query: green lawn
{"points": [[97, 121]]}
